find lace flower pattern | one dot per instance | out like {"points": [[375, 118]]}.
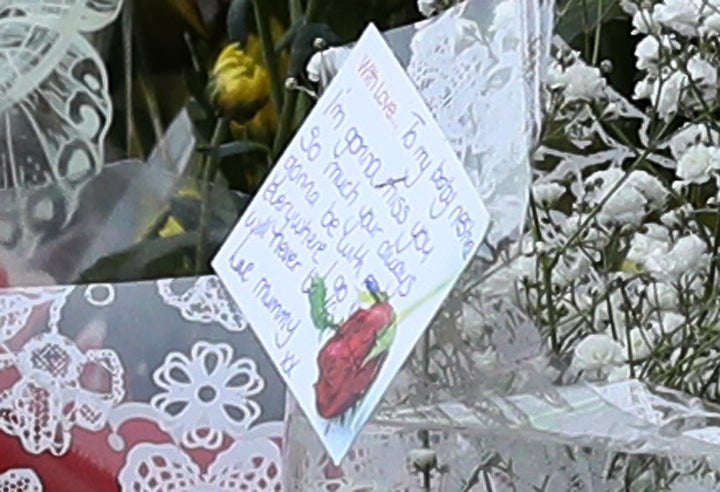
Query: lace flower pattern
{"points": [[50, 399], [250, 464], [205, 302], [20, 480], [206, 396]]}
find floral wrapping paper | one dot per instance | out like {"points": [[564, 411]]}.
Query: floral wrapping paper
{"points": [[139, 386]]}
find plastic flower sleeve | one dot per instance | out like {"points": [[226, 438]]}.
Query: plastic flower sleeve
{"points": [[57, 232], [504, 436], [549, 429], [479, 67], [56, 107]]}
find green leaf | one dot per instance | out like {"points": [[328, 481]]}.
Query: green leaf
{"points": [[150, 259], [383, 342], [237, 147], [187, 211]]}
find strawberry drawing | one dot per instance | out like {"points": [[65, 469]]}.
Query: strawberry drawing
{"points": [[351, 359]]}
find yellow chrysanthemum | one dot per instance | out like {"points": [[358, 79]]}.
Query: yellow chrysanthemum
{"points": [[261, 128], [240, 85]]}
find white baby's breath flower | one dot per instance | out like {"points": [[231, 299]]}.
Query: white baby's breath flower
{"points": [[644, 88], [689, 255], [649, 244], [625, 206], [669, 322], [547, 193], [507, 281], [705, 81], [642, 343], [669, 262], [663, 296], [597, 351], [667, 92], [711, 25], [580, 82], [644, 23], [323, 65], [651, 188], [698, 163], [569, 269], [677, 217], [647, 53], [691, 135], [702, 72], [631, 201], [681, 16], [629, 6], [650, 51], [606, 313]]}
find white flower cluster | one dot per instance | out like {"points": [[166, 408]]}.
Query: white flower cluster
{"points": [[677, 54], [431, 7], [576, 81], [695, 148], [323, 65], [573, 81], [615, 264]]}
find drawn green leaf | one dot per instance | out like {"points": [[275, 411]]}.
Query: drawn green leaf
{"points": [[382, 343]]}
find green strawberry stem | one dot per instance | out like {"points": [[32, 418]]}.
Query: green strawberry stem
{"points": [[386, 337]]}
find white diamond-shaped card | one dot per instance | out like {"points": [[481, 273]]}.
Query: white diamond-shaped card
{"points": [[353, 241]]}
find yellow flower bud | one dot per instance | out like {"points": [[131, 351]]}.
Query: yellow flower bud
{"points": [[240, 85]]}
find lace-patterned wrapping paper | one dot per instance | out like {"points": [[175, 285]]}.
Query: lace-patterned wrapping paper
{"points": [[138, 387], [479, 68]]}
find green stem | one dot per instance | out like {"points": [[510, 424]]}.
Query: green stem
{"points": [[287, 118], [262, 17], [210, 169], [596, 210], [586, 28], [552, 322], [295, 8], [127, 37], [286, 124], [313, 11], [598, 31]]}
